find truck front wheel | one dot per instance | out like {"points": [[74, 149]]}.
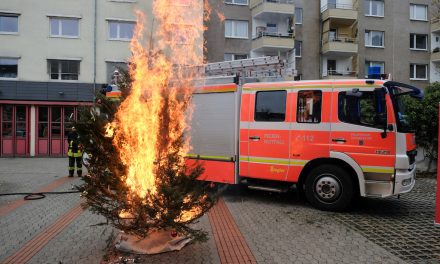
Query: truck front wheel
{"points": [[329, 187]]}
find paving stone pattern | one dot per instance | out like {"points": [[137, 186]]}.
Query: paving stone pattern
{"points": [[22, 224], [81, 242], [282, 229], [26, 175], [402, 226]]}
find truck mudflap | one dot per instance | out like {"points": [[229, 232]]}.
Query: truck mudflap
{"points": [[221, 170]]}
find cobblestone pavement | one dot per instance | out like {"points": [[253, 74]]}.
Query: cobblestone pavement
{"points": [[24, 175], [278, 228], [402, 226], [282, 229]]}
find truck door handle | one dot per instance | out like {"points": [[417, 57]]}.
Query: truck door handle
{"points": [[256, 138], [339, 140]]}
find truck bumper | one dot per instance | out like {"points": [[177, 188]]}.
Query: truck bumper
{"points": [[405, 180]]}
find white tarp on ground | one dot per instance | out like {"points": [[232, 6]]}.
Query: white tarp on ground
{"points": [[156, 242]]}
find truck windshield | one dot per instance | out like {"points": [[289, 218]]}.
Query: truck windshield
{"points": [[398, 93]]}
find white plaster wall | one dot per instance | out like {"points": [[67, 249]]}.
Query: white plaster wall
{"points": [[33, 44]]}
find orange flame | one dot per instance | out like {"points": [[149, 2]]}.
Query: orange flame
{"points": [[161, 75]]}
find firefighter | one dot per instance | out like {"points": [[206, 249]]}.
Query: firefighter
{"points": [[74, 153]]}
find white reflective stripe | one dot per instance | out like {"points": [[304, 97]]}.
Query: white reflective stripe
{"points": [[274, 161], [286, 126], [377, 169], [346, 127], [336, 127]]}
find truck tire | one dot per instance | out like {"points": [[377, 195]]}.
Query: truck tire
{"points": [[329, 187]]}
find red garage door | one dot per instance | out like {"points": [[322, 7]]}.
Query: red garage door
{"points": [[14, 136]]}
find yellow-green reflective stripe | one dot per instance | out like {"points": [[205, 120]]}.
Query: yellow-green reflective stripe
{"points": [[210, 157], [377, 170], [275, 161]]}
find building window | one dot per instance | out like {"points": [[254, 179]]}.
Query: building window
{"points": [[418, 71], [374, 8], [270, 106], [120, 30], [298, 48], [236, 29], [64, 27], [309, 107], [237, 2], [418, 42], [114, 69], [8, 23], [8, 68], [374, 38], [363, 108], [271, 28], [380, 64], [418, 12], [298, 16], [63, 69], [231, 56]]}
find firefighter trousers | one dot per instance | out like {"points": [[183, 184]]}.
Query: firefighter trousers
{"points": [[72, 166]]}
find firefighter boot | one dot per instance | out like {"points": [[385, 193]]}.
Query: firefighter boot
{"points": [[71, 166], [79, 166]]}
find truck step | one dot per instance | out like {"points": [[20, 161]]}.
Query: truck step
{"points": [[268, 189]]}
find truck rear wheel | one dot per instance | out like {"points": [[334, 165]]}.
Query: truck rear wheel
{"points": [[329, 187]]}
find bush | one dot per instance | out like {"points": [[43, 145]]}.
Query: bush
{"points": [[423, 116]]}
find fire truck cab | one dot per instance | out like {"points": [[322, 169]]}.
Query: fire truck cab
{"points": [[331, 139]]}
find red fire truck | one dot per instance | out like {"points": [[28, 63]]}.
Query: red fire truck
{"points": [[331, 139]]}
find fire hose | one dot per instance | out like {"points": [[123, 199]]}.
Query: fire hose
{"points": [[37, 195]]}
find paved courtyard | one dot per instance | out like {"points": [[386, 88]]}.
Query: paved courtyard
{"points": [[245, 227]]}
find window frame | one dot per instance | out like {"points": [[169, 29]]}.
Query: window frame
{"points": [[413, 41], [411, 5], [297, 107], [118, 29], [233, 3], [10, 78], [270, 91], [300, 48], [370, 8], [60, 73], [15, 15], [413, 72], [370, 63], [301, 11], [375, 126], [233, 36], [370, 42], [60, 27]]}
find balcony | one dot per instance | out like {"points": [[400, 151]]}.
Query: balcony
{"points": [[340, 47], [339, 13], [263, 9], [435, 55], [331, 74], [435, 25], [272, 42]]}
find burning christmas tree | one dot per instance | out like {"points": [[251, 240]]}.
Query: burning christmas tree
{"points": [[138, 175]]}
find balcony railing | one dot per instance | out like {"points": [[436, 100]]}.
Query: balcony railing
{"points": [[289, 2], [342, 39], [273, 34], [336, 6], [333, 74]]}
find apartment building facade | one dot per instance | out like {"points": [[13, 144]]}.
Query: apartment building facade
{"points": [[54, 56], [332, 38]]}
